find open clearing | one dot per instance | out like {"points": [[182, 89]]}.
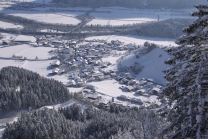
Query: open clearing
{"points": [[116, 16], [111, 89], [47, 17], [136, 39], [5, 25], [26, 51]]}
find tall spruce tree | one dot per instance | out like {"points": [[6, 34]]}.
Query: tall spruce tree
{"points": [[187, 86]]}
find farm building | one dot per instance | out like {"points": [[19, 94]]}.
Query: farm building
{"points": [[93, 96], [56, 63], [55, 71]]}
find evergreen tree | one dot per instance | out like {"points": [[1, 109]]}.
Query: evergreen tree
{"points": [[187, 84]]}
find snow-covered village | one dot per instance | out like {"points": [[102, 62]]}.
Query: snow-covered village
{"points": [[95, 69]]}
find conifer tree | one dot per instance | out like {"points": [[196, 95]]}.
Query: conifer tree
{"points": [[187, 86]]}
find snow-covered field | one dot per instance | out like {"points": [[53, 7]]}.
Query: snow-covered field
{"points": [[110, 88], [47, 17], [123, 16], [25, 51], [5, 25], [152, 64], [136, 39]]}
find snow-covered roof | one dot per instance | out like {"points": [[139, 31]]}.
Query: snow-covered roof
{"points": [[56, 63], [56, 70], [93, 96], [24, 38]]}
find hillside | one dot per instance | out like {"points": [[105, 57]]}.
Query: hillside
{"points": [[23, 89], [152, 63], [74, 123]]}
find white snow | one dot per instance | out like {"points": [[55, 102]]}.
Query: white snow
{"points": [[110, 88], [6, 63], [47, 17], [25, 38], [153, 65], [139, 40], [116, 16], [26, 51], [5, 25], [112, 60], [61, 105]]}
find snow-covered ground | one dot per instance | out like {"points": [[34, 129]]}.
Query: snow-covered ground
{"points": [[61, 105], [152, 64], [136, 39], [5, 25], [26, 51], [25, 38], [116, 16], [110, 88], [47, 17]]}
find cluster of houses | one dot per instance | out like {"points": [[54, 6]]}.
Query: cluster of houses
{"points": [[139, 87], [53, 41], [83, 63], [144, 87], [89, 92]]}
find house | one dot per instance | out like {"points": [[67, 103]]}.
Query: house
{"points": [[91, 57], [89, 67], [124, 81], [127, 75], [136, 100], [91, 79], [103, 103], [71, 83], [122, 97], [73, 42], [48, 36], [68, 51], [91, 87], [55, 63], [87, 91], [140, 92], [155, 91], [81, 83], [24, 39], [56, 42], [55, 71], [132, 82], [106, 72], [113, 75], [93, 96], [130, 88], [107, 77], [74, 75], [62, 71], [100, 77]]}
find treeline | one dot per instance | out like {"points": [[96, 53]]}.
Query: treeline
{"points": [[171, 28], [75, 123], [153, 4], [23, 89]]}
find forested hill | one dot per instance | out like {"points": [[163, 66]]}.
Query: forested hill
{"points": [[153, 4], [75, 123], [21, 89], [171, 28]]}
